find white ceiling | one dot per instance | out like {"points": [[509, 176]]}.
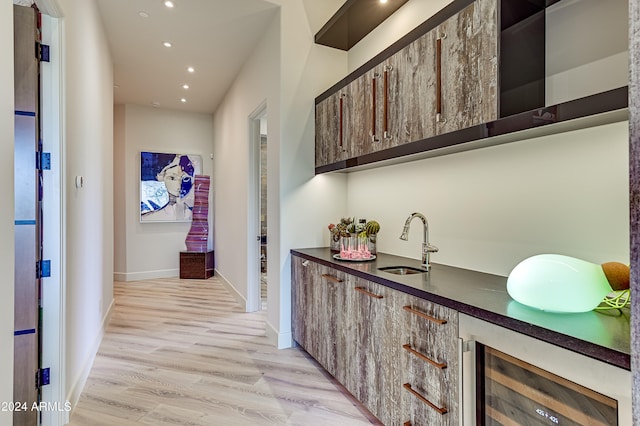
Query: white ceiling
{"points": [[214, 36]]}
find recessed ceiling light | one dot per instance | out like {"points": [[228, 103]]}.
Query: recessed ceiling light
{"points": [[183, 100], [191, 69], [169, 4], [185, 86], [143, 14], [383, 1], [167, 44]]}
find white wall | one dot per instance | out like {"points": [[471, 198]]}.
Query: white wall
{"points": [[151, 250], [256, 84], [6, 212], [490, 208], [88, 152], [308, 203], [288, 71]]}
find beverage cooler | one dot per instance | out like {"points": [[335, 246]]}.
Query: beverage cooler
{"points": [[512, 379]]}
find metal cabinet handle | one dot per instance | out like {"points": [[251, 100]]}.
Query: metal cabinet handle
{"points": [[439, 117], [373, 107], [441, 410], [332, 278], [408, 348], [341, 106], [423, 315], [385, 117], [364, 291]]}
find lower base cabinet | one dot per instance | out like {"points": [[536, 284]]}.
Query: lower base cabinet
{"points": [[395, 353], [430, 363], [318, 310]]}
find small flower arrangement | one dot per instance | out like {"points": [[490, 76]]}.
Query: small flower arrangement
{"points": [[350, 228]]}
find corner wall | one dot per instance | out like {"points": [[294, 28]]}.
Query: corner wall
{"points": [[257, 84], [288, 71], [151, 250], [6, 212]]}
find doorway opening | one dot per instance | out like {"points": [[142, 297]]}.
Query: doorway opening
{"points": [[263, 213], [258, 271]]}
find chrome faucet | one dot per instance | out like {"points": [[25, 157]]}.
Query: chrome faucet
{"points": [[426, 247]]}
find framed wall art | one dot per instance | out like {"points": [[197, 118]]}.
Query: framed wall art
{"points": [[166, 186]]}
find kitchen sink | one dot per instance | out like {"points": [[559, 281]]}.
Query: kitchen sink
{"points": [[402, 270]]}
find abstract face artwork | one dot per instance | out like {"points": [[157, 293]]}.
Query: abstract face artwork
{"points": [[166, 186]]}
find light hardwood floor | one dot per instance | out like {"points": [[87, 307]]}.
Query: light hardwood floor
{"points": [[180, 352]]}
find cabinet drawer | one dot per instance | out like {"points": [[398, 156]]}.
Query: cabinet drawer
{"points": [[429, 321], [429, 362]]}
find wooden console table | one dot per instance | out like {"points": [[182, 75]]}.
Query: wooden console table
{"points": [[196, 265]]}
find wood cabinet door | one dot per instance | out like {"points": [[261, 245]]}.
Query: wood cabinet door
{"points": [[467, 58], [329, 289], [370, 358], [359, 113], [301, 298], [412, 91], [318, 302], [430, 358], [330, 126]]}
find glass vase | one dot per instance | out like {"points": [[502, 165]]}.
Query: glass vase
{"points": [[334, 242], [372, 239]]}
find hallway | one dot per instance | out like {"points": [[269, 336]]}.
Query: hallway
{"points": [[180, 352]]}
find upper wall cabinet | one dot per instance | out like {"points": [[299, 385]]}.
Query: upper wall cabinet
{"points": [[475, 70], [466, 68]]}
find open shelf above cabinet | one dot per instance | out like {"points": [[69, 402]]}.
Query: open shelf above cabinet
{"points": [[354, 20]]}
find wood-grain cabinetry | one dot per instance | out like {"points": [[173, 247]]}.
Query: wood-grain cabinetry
{"points": [[318, 310], [397, 354], [372, 351], [331, 138], [443, 81], [467, 56], [430, 363], [484, 71]]}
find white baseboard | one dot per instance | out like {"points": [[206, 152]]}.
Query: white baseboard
{"points": [[234, 292], [146, 275], [79, 382], [279, 340]]}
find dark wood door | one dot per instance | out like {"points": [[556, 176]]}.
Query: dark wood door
{"points": [[27, 217]]}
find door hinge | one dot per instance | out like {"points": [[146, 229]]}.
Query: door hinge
{"points": [[43, 377], [43, 269], [42, 52], [43, 161]]}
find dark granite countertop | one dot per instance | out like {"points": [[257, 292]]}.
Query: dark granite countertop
{"points": [[602, 336]]}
